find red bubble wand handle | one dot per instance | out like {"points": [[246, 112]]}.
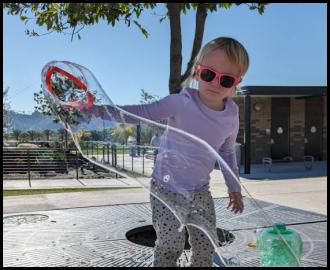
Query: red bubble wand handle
{"points": [[78, 104]]}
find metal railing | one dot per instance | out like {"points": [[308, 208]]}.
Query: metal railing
{"points": [[60, 163], [139, 159], [19, 162]]}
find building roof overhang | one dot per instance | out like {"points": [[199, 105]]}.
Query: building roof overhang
{"points": [[282, 91]]}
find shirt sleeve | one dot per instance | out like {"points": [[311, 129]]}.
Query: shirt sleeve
{"points": [[166, 107], [228, 153]]}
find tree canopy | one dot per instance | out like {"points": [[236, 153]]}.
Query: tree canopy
{"points": [[62, 17]]}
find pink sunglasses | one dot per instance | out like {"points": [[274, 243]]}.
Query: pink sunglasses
{"points": [[207, 74]]}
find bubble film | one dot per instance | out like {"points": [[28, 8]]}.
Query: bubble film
{"points": [[183, 162]]}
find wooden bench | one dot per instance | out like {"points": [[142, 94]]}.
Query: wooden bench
{"points": [[268, 162]]}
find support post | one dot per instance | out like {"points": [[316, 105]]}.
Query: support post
{"points": [[247, 134]]}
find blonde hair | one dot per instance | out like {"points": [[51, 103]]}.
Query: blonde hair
{"points": [[235, 51]]}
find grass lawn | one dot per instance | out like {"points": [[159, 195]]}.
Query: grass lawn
{"points": [[12, 192]]}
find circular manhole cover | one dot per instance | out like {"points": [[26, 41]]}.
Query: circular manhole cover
{"points": [[146, 236], [24, 219]]}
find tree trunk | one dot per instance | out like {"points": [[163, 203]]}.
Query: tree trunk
{"points": [[174, 10], [199, 32]]}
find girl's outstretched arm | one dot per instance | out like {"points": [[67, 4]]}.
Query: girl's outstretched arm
{"points": [[158, 110]]}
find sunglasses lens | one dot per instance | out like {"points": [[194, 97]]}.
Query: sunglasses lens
{"points": [[227, 81], [207, 75]]}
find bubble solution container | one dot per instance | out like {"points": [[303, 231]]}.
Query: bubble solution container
{"points": [[274, 251]]}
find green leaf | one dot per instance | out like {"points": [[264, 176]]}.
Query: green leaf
{"points": [[261, 9], [184, 8], [162, 19], [225, 5], [144, 31], [194, 5]]}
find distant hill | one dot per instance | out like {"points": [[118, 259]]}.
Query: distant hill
{"points": [[38, 122], [35, 121]]}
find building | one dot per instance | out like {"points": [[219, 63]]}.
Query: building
{"points": [[281, 121]]}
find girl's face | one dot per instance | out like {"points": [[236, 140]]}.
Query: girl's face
{"points": [[217, 60]]}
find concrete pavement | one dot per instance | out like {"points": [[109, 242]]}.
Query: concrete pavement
{"points": [[308, 194], [69, 183]]}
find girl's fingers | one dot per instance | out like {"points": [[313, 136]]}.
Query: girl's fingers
{"points": [[237, 207], [230, 203]]}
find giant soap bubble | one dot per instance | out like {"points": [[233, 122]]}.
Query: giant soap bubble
{"points": [[183, 163]]}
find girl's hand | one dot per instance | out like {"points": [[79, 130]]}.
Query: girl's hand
{"points": [[236, 202]]}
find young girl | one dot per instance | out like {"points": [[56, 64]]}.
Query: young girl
{"points": [[209, 113]]}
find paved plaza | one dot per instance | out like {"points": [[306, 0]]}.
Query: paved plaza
{"points": [[89, 228], [96, 236]]}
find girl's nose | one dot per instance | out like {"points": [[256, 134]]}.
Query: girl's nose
{"points": [[215, 82]]}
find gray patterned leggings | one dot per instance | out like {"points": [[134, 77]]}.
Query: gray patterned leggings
{"points": [[170, 242]]}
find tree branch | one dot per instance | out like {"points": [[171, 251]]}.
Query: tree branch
{"points": [[73, 32], [199, 32], [174, 10], [33, 33]]}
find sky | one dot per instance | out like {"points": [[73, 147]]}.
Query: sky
{"points": [[286, 45]]}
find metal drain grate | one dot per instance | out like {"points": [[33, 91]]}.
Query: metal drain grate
{"points": [[24, 219]]}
